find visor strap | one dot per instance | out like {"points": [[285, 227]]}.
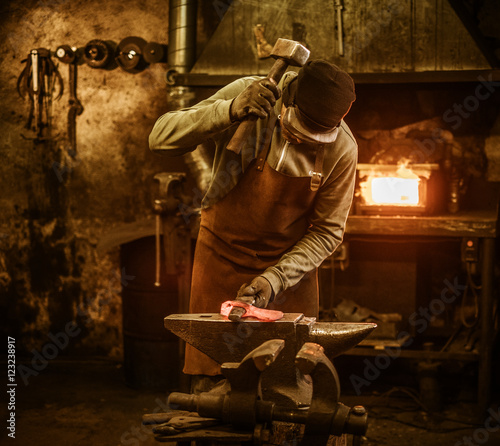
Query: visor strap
{"points": [[316, 174]]}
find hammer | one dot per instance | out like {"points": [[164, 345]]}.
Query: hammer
{"points": [[286, 52]]}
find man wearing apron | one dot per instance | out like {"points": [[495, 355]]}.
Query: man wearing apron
{"points": [[274, 212]]}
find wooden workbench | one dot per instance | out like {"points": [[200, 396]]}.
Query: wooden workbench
{"points": [[482, 225]]}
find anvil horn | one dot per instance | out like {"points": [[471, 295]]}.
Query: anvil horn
{"points": [[338, 337]]}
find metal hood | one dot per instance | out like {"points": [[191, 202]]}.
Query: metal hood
{"points": [[375, 38]]}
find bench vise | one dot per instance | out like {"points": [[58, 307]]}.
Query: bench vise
{"points": [[239, 402]]}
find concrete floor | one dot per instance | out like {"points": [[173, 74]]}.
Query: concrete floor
{"points": [[73, 403]]}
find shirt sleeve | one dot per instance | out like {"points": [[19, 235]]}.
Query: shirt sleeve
{"points": [[332, 204], [178, 132]]}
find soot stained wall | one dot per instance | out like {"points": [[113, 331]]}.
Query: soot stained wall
{"points": [[55, 205]]}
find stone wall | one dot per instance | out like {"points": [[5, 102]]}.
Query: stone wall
{"points": [[56, 205]]}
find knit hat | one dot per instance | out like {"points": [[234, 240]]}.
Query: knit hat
{"points": [[323, 97]]}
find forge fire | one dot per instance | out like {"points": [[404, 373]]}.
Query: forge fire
{"points": [[389, 188]]}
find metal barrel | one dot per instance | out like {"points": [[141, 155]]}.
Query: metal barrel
{"points": [[151, 353]]}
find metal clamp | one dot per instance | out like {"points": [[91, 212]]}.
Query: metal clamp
{"points": [[316, 178]]}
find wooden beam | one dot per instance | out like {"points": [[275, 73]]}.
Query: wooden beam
{"points": [[220, 80], [463, 224]]}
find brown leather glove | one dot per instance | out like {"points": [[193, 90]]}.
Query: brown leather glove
{"points": [[257, 99], [259, 293]]}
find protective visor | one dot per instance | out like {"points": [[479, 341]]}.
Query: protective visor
{"points": [[294, 123]]}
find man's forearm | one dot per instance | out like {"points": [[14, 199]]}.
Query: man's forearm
{"points": [[178, 132], [305, 256]]}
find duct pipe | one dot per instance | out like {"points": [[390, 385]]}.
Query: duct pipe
{"points": [[182, 35], [181, 57]]}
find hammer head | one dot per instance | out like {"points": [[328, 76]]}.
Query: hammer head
{"points": [[292, 52]]}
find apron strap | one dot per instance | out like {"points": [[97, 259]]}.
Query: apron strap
{"points": [[266, 144], [316, 174]]}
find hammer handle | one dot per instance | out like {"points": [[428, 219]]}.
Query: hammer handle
{"points": [[236, 314], [244, 131], [242, 134], [277, 70]]}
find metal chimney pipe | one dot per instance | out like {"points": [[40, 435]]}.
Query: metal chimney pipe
{"points": [[181, 57], [182, 35]]}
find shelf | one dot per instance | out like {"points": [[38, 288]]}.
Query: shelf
{"points": [[415, 354], [481, 224]]}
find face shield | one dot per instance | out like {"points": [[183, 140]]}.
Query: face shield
{"points": [[294, 122]]}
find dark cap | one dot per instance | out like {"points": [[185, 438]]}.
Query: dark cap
{"points": [[324, 95]]}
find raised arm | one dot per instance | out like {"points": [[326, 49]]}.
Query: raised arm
{"points": [[178, 132]]}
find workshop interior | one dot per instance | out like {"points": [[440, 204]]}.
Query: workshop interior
{"points": [[98, 233]]}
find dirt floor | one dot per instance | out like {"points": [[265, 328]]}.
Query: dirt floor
{"points": [[73, 403]]}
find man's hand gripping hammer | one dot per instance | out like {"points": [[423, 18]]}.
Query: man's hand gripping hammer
{"points": [[286, 52]]}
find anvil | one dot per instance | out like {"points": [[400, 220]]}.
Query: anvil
{"points": [[227, 341]]}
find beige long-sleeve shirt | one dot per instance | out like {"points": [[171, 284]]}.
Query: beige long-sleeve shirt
{"points": [[208, 122]]}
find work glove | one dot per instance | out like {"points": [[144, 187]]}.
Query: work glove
{"points": [[257, 99], [259, 293]]}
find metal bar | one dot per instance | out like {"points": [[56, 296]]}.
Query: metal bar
{"points": [[486, 318], [427, 77], [35, 76], [182, 34], [157, 250], [340, 27], [220, 80]]}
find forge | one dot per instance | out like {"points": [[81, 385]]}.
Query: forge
{"points": [[390, 189]]}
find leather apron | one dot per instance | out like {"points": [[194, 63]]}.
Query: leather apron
{"points": [[240, 236]]}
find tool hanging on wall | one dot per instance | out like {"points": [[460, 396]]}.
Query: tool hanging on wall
{"points": [[75, 106], [155, 52], [38, 81], [40, 77], [176, 233], [99, 53], [340, 26], [264, 48], [71, 56], [130, 54], [65, 54]]}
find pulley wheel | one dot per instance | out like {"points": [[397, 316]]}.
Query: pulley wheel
{"points": [[65, 54], [130, 54], [154, 52], [97, 54]]}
